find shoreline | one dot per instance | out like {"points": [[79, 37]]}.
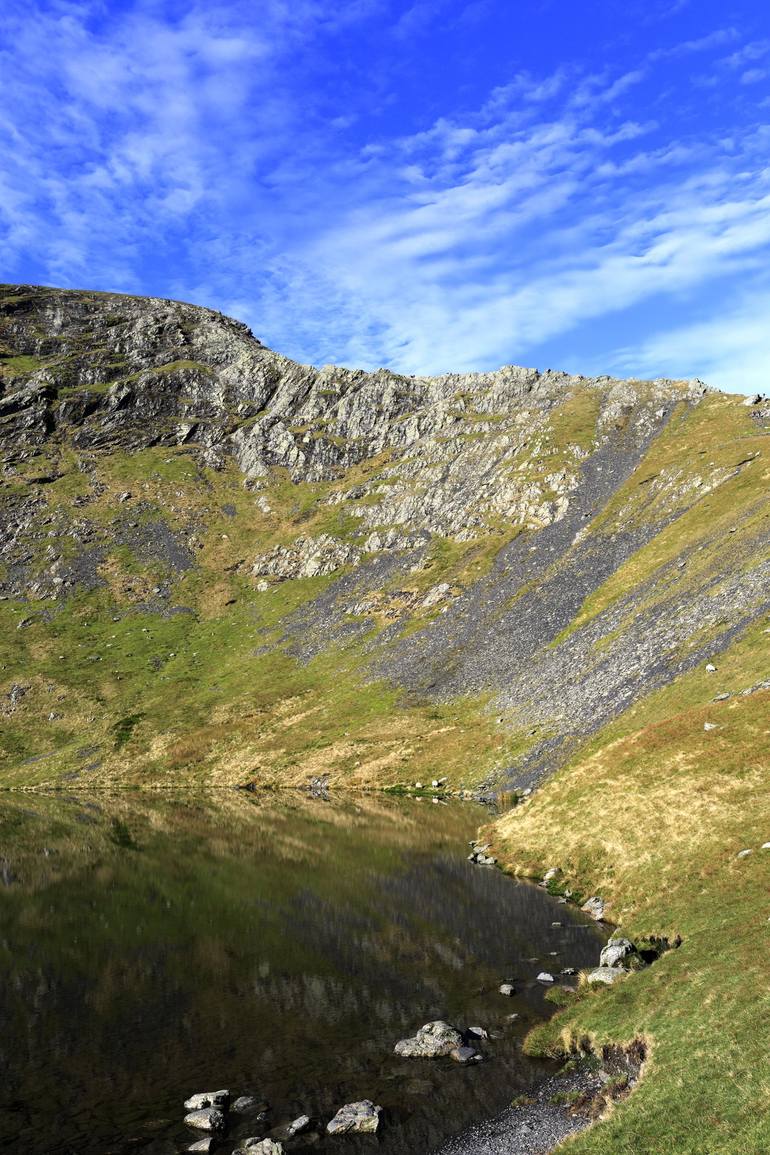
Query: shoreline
{"points": [[564, 1104]]}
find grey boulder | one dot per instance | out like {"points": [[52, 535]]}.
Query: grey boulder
{"points": [[362, 1117], [594, 906], [616, 951], [430, 1042], [606, 975], [259, 1147], [218, 1099], [209, 1119]]}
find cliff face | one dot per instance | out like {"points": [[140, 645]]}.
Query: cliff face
{"points": [[217, 564]]}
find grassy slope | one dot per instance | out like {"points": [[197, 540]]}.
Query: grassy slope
{"points": [[652, 816], [213, 696], [652, 812]]}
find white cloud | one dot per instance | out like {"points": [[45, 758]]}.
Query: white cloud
{"points": [[730, 349]]}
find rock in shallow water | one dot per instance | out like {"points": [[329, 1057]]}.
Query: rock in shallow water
{"points": [[255, 1146], [209, 1119], [298, 1126], [248, 1104], [202, 1145], [218, 1099], [362, 1116], [430, 1042]]}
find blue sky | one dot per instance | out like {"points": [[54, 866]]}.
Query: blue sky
{"points": [[428, 184]]}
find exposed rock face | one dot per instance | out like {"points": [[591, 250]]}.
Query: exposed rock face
{"points": [[306, 557], [484, 534]]}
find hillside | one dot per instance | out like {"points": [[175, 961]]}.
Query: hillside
{"points": [[220, 566]]}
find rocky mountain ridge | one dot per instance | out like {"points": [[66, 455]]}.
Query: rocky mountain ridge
{"points": [[536, 547]]}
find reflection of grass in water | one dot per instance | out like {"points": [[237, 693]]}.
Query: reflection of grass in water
{"points": [[121, 835], [230, 855], [241, 921]]}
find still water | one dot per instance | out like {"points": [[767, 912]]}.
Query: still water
{"points": [[278, 945]]}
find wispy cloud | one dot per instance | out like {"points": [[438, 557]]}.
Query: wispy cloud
{"points": [[731, 345], [201, 152]]}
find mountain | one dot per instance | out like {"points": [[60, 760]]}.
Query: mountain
{"points": [[219, 565]]}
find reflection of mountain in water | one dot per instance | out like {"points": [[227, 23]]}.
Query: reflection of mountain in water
{"points": [[154, 947]]}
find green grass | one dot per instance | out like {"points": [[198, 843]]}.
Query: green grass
{"points": [[651, 816], [21, 365]]}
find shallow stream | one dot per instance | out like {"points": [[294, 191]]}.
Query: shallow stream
{"points": [[157, 945]]}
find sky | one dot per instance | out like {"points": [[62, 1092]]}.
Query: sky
{"points": [[429, 185]]}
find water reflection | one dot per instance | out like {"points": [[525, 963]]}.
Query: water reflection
{"points": [[153, 946]]}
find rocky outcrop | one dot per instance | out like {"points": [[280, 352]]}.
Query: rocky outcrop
{"points": [[306, 557]]}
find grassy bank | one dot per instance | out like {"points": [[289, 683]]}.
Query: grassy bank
{"points": [[652, 817]]}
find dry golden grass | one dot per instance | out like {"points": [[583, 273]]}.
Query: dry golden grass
{"points": [[653, 821]]}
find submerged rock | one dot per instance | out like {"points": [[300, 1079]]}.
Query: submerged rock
{"points": [[363, 1116], [204, 1145], [248, 1104], [430, 1042], [606, 975], [465, 1055], [209, 1119]]}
